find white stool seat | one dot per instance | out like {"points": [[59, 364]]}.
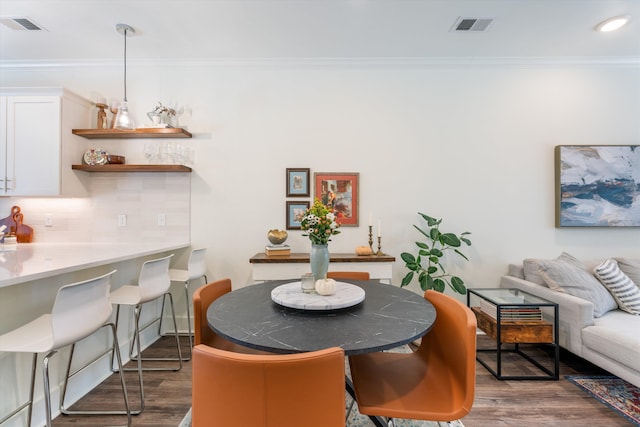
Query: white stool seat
{"points": [[79, 310], [132, 295], [196, 269]]}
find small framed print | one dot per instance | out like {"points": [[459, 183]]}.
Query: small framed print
{"points": [[295, 212], [298, 182], [339, 190]]}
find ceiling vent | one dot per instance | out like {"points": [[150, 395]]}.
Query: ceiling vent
{"points": [[471, 24], [20, 23]]}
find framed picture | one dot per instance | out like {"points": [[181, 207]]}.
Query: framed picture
{"points": [[298, 182], [295, 212], [339, 191], [597, 185]]}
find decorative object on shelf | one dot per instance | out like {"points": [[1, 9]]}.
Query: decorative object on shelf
{"points": [[95, 156], [123, 120], [115, 160], [277, 250], [295, 212], [325, 287], [597, 185], [298, 182], [434, 276], [277, 237], [24, 233], [102, 115], [339, 191], [163, 116], [363, 250], [319, 224]]}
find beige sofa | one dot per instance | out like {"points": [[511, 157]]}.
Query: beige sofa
{"points": [[591, 323]]}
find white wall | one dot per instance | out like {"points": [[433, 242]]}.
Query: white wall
{"points": [[471, 143]]}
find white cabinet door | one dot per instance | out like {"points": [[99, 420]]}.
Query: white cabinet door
{"points": [[4, 185], [33, 145]]}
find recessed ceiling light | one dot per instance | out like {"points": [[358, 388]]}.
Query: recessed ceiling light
{"points": [[613, 24]]}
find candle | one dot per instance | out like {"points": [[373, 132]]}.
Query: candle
{"points": [[379, 227], [370, 220]]}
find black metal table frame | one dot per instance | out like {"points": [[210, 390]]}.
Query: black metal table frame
{"points": [[550, 375]]}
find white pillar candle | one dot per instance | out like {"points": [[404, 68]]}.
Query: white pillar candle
{"points": [[379, 228], [370, 220]]}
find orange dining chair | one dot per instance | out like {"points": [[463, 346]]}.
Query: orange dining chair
{"points": [[202, 333], [354, 275], [436, 382], [284, 390]]}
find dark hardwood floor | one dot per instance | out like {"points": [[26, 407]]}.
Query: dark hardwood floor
{"points": [[497, 403]]}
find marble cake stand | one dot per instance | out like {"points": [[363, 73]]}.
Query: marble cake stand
{"points": [[291, 295]]}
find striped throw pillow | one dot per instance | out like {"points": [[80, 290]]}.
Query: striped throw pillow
{"points": [[625, 292]]}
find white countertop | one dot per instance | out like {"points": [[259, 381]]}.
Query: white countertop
{"points": [[32, 261]]}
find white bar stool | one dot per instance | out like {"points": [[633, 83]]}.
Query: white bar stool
{"points": [[196, 269], [79, 310], [153, 283]]}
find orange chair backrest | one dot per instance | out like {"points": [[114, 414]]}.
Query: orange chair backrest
{"points": [[354, 275], [451, 344], [202, 299], [241, 390]]}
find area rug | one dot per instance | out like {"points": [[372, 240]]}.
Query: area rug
{"points": [[614, 392]]}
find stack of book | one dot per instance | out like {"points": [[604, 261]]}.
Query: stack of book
{"points": [[275, 250], [512, 313]]}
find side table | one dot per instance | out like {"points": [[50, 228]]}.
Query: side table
{"points": [[511, 316]]}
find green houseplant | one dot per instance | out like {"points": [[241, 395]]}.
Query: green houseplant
{"points": [[432, 275]]}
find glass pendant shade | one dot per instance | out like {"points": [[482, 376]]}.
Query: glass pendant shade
{"points": [[123, 119]]}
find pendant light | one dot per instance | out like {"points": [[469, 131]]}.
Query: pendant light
{"points": [[123, 120]]}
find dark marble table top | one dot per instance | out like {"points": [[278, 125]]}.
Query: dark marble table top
{"points": [[388, 317]]}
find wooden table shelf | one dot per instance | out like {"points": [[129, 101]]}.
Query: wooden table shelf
{"points": [[131, 168], [132, 134]]}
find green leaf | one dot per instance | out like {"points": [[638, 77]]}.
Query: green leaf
{"points": [[458, 285], [432, 269], [430, 283], [467, 241], [430, 220], [461, 254], [407, 279], [439, 285], [423, 280], [408, 258], [437, 253], [421, 231], [450, 239], [434, 234], [422, 245]]}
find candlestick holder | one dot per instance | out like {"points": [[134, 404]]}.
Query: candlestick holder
{"points": [[371, 237], [379, 253]]}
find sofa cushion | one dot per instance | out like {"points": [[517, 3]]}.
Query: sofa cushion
{"points": [[624, 291], [630, 267], [615, 335], [567, 274]]}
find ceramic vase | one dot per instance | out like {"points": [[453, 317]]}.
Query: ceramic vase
{"points": [[319, 260]]}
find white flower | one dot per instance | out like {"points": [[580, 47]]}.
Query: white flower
{"points": [[331, 216], [333, 225]]}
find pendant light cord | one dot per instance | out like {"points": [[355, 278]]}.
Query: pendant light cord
{"points": [[125, 65]]}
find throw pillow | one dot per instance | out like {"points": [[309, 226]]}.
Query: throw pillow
{"points": [[621, 287], [630, 267], [567, 274]]}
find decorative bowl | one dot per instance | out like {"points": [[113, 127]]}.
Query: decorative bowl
{"points": [[277, 237]]}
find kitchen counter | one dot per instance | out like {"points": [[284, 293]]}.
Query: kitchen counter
{"points": [[33, 261]]}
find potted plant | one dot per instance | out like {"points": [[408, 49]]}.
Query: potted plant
{"points": [[432, 275]]}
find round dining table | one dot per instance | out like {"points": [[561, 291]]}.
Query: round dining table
{"points": [[387, 318]]}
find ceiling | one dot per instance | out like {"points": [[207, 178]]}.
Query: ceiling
{"points": [[84, 30]]}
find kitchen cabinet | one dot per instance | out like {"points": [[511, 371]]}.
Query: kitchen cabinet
{"points": [[36, 143]]}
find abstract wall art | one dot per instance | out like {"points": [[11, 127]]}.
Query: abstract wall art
{"points": [[597, 185]]}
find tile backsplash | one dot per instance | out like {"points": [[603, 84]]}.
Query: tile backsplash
{"points": [[145, 199]]}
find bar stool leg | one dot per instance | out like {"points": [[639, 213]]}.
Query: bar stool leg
{"points": [[45, 379], [114, 349]]}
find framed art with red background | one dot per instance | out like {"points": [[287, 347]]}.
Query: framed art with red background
{"points": [[339, 190]]}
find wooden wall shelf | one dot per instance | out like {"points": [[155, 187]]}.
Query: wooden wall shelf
{"points": [[129, 134], [131, 168]]}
